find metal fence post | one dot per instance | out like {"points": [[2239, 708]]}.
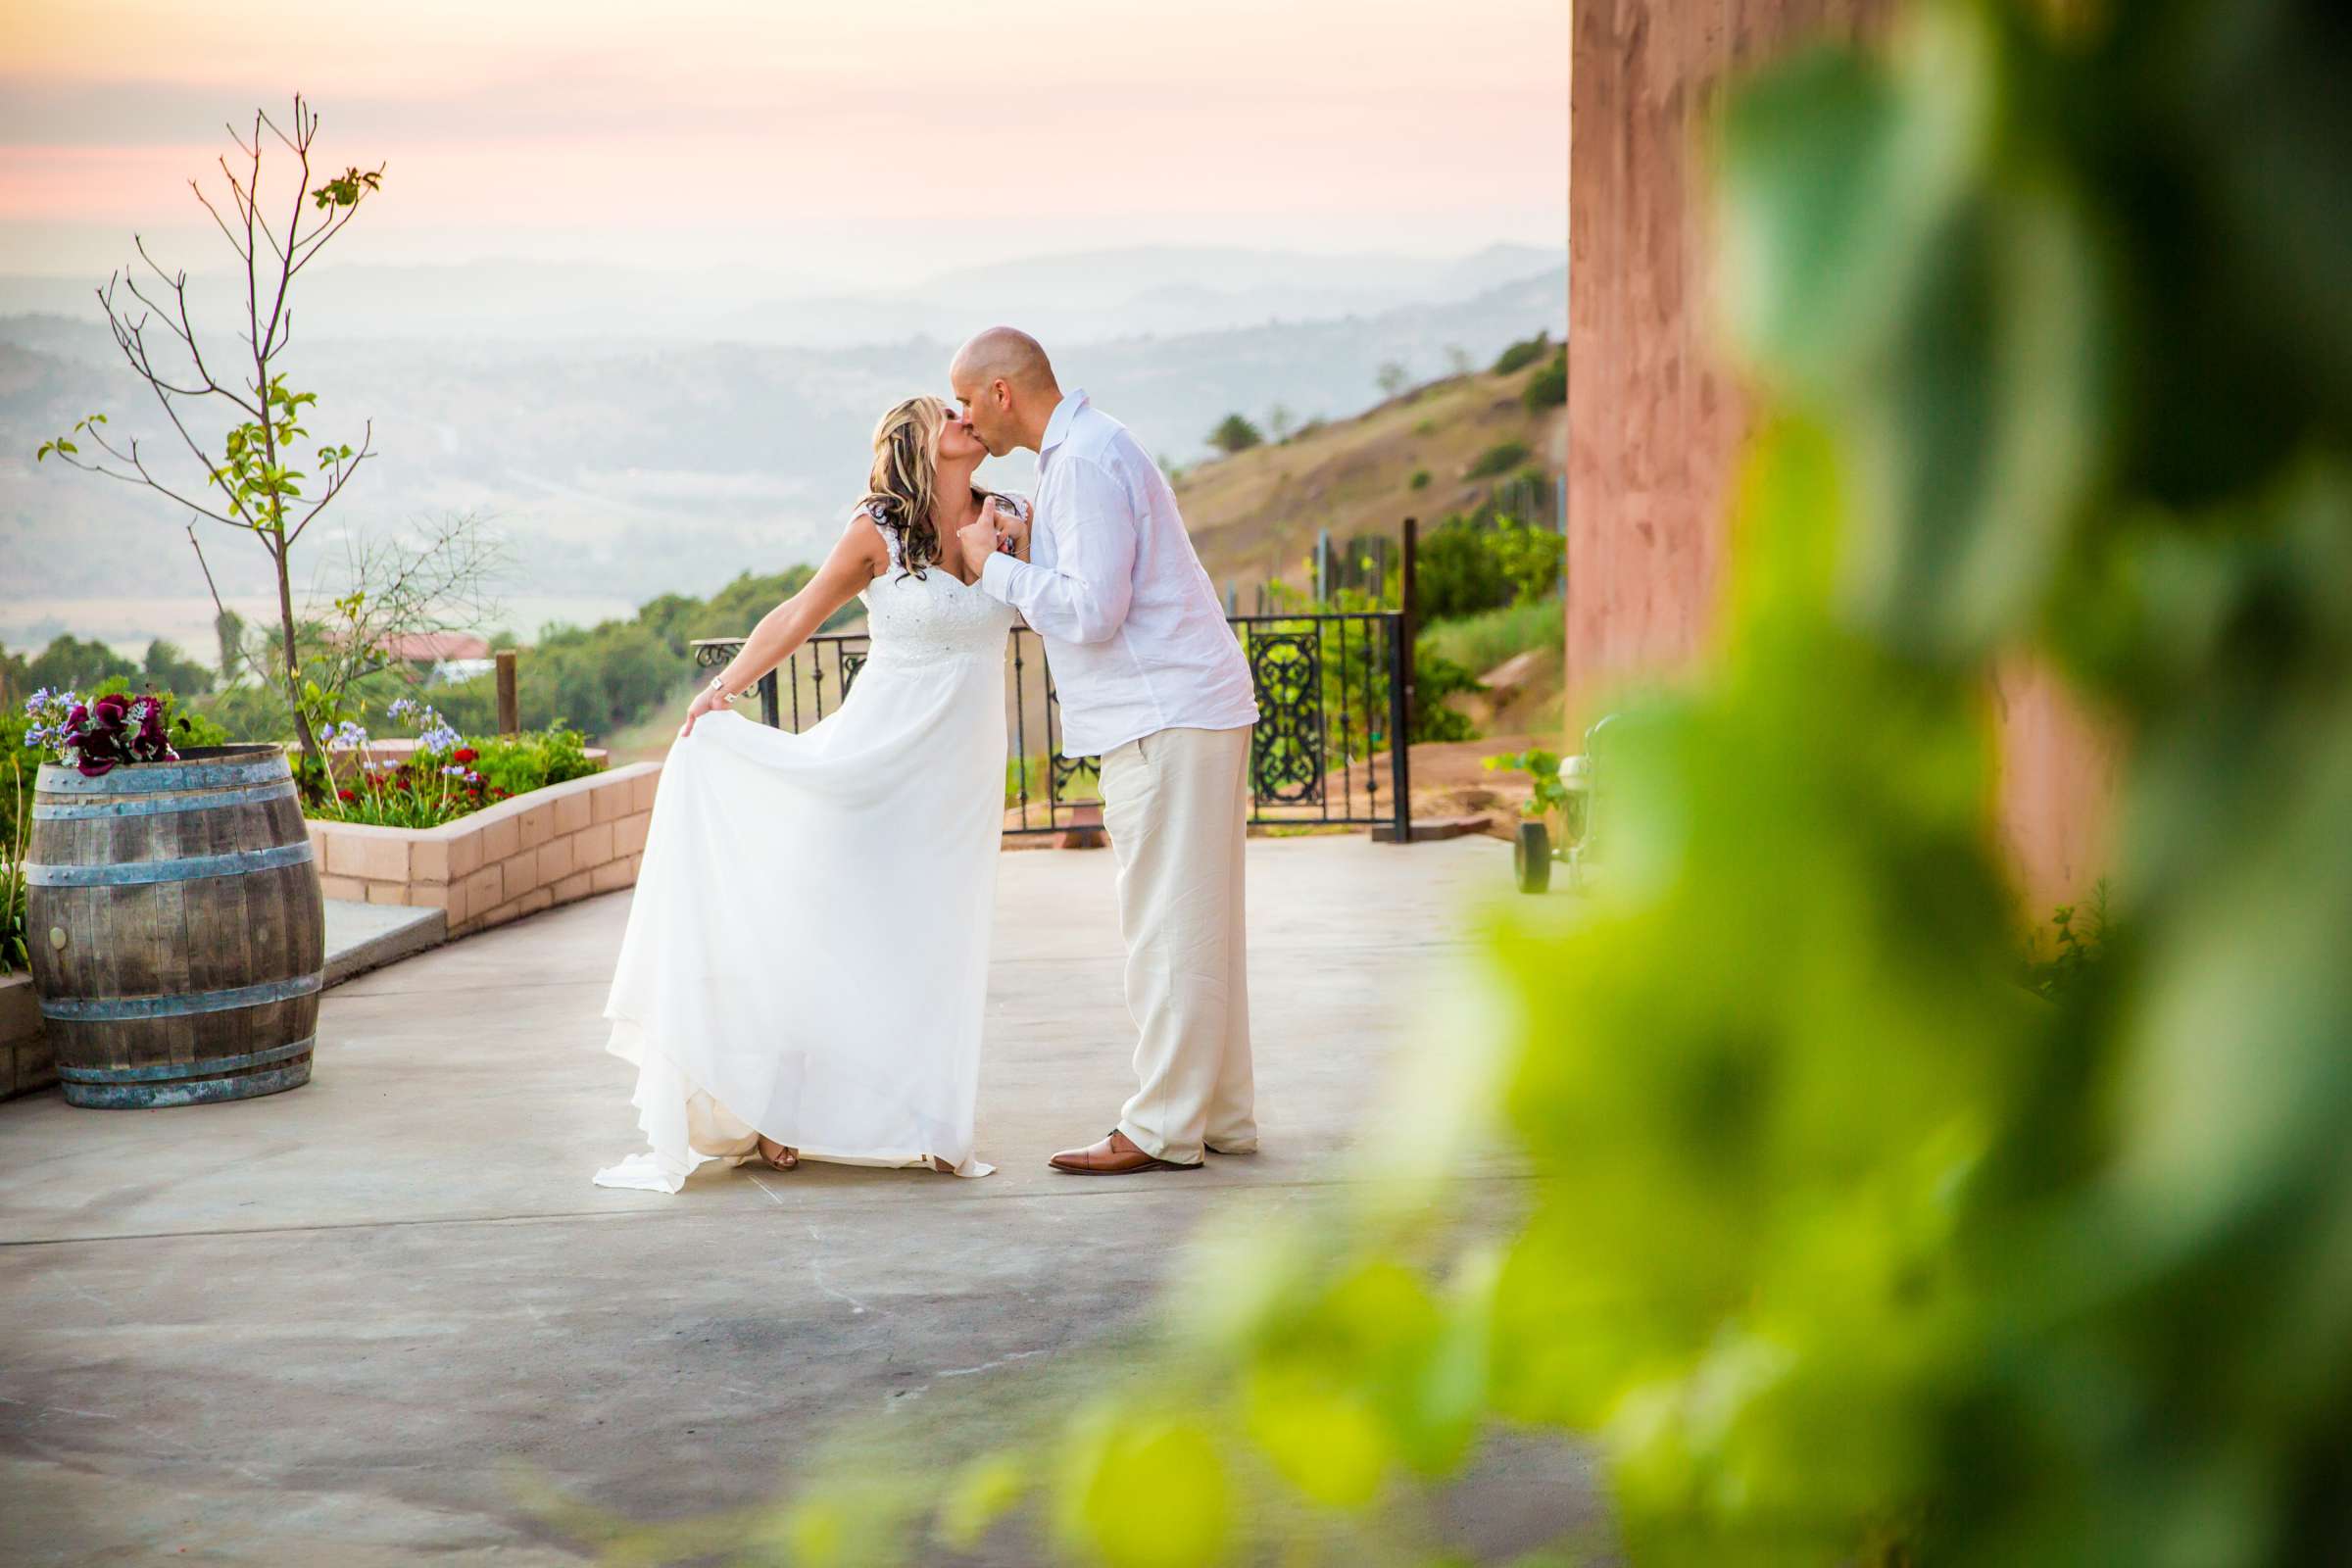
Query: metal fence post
{"points": [[509, 700], [771, 710], [1400, 688]]}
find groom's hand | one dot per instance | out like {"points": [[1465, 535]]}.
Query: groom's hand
{"points": [[979, 537]]}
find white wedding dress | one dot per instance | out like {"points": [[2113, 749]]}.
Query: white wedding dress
{"points": [[806, 954]]}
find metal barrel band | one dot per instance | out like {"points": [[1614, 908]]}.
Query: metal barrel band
{"points": [[163, 805], [136, 873], [99, 1010], [186, 1090], [155, 778], [173, 1071]]}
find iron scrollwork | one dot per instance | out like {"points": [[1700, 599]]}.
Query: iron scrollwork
{"points": [[1285, 762]]}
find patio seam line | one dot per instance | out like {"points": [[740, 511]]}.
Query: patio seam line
{"points": [[1433, 945], [566, 1216]]}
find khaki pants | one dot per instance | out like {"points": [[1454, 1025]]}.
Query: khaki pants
{"points": [[1176, 804]]}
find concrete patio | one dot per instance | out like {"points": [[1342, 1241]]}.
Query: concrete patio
{"points": [[328, 1326]]}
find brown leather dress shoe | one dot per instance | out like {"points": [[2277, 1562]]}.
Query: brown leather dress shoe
{"points": [[1114, 1155]]}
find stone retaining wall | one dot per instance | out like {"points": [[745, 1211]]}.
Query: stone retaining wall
{"points": [[549, 847]]}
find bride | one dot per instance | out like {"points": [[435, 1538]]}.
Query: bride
{"points": [[806, 962]]}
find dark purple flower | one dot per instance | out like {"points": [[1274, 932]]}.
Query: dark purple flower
{"points": [[99, 754]]}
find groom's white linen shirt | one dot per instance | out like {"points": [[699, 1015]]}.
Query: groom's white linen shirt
{"points": [[1134, 635]]}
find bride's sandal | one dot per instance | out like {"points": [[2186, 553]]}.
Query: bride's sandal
{"points": [[785, 1157], [939, 1163]]}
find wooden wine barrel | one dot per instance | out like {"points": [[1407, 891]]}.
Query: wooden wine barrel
{"points": [[177, 934]]}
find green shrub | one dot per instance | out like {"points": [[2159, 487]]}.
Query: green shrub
{"points": [[1235, 434], [1459, 572], [168, 669], [1548, 388], [520, 764], [1471, 564], [1500, 457], [73, 665], [1419, 480], [1487, 639], [1522, 354], [1435, 678], [192, 726]]}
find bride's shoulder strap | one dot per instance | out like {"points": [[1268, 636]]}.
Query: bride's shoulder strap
{"points": [[866, 514]]}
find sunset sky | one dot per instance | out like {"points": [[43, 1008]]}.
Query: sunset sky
{"points": [[841, 141]]}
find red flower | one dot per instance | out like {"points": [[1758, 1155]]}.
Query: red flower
{"points": [[346, 795], [464, 755]]}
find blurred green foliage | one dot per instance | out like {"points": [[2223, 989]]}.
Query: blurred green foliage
{"points": [[1235, 434], [1499, 459], [1485, 640], [1484, 561], [71, 663], [1548, 388], [1844, 1245], [1522, 354]]}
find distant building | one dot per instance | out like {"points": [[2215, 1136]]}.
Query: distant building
{"points": [[429, 647], [438, 658]]}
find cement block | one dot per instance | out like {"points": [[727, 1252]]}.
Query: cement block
{"points": [[592, 846], [572, 812], [628, 834]]}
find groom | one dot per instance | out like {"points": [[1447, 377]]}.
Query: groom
{"points": [[1153, 682]]}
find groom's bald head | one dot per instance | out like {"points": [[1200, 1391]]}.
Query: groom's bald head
{"points": [[1005, 384]]}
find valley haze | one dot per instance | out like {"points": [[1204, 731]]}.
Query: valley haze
{"points": [[632, 432]]}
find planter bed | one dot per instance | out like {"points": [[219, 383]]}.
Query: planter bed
{"points": [[553, 845], [344, 763]]}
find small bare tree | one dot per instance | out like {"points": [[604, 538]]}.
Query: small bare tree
{"points": [[397, 589], [250, 482]]}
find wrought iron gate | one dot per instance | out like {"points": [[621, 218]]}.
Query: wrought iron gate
{"points": [[1333, 690]]}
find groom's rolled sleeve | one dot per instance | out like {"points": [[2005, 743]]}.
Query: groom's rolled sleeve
{"points": [[1083, 597]]}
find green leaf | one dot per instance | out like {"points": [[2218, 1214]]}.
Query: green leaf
{"points": [[1322, 1438], [1970, 468], [1146, 1492], [982, 1493], [1835, 181]]}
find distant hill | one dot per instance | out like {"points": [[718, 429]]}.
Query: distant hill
{"points": [[1085, 297], [620, 470]]}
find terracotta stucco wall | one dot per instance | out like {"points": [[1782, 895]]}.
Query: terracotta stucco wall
{"points": [[1656, 420]]}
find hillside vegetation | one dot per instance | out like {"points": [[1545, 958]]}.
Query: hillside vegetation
{"points": [[1254, 516]]}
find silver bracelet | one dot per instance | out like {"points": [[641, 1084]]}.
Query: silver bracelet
{"points": [[718, 689]]}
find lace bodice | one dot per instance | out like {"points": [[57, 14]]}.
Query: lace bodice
{"points": [[935, 615]]}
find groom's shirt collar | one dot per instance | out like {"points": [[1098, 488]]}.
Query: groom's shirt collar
{"points": [[1058, 425]]}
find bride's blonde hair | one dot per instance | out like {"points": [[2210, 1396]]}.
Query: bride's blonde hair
{"points": [[904, 487]]}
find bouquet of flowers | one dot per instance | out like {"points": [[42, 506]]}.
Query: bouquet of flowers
{"points": [[96, 735]]}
